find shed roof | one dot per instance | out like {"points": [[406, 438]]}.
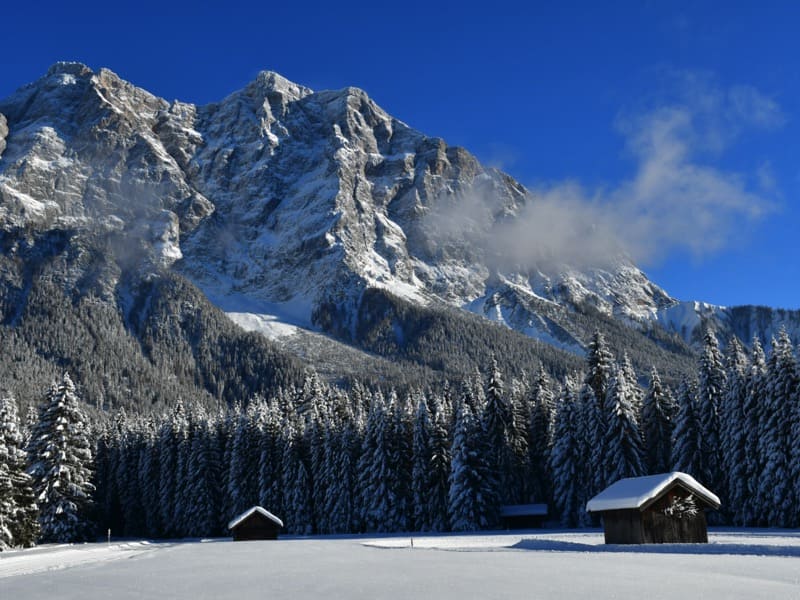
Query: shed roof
{"points": [[523, 510], [636, 492], [256, 509]]}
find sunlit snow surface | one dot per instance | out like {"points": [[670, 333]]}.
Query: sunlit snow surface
{"points": [[534, 564]]}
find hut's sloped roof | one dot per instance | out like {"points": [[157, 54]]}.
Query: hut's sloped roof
{"points": [[635, 492], [256, 509]]}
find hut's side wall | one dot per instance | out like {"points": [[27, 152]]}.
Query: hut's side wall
{"points": [[522, 521], [623, 527]]}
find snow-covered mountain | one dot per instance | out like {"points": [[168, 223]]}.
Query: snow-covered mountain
{"points": [[284, 205]]}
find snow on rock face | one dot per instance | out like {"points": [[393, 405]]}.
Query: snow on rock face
{"points": [[3, 133], [332, 191], [82, 146]]}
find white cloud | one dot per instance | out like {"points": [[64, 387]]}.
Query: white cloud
{"points": [[677, 199]]}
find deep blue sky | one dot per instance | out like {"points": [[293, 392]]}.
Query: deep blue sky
{"points": [[539, 89]]}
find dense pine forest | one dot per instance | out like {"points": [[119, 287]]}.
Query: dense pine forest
{"points": [[365, 459]]}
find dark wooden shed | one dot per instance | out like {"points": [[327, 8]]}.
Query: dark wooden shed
{"points": [[657, 509], [255, 524], [523, 516]]}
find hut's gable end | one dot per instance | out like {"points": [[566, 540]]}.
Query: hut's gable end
{"points": [[676, 492], [255, 524]]}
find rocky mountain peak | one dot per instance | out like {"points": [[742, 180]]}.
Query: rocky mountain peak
{"points": [[286, 199], [76, 69], [270, 82]]}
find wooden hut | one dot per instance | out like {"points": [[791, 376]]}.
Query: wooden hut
{"points": [[523, 516], [255, 524], [657, 509]]}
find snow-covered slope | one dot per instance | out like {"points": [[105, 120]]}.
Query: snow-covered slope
{"points": [[278, 200], [540, 564]]}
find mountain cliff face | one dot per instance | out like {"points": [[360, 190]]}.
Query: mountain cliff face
{"points": [[285, 206]]}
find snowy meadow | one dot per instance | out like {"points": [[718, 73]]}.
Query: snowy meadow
{"points": [[534, 564]]}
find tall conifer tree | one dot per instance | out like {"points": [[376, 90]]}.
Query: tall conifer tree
{"points": [[658, 408], [710, 390], [566, 459], [776, 489], [755, 400], [686, 447], [18, 510], [623, 442], [472, 501], [61, 461], [732, 432]]}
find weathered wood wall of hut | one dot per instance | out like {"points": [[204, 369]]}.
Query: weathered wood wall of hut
{"points": [[623, 526]]}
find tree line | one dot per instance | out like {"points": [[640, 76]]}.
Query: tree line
{"points": [[328, 460]]}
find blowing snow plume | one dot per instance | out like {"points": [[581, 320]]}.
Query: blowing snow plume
{"points": [[675, 201]]}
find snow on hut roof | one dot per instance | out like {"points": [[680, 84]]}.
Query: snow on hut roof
{"points": [[523, 510], [635, 492], [255, 509]]}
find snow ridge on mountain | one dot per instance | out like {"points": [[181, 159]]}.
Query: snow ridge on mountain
{"points": [[279, 200]]}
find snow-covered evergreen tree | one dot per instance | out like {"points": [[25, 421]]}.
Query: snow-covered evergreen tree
{"points": [[127, 479], [516, 485], [226, 427], [182, 507], [386, 456], [341, 458], [624, 453], [637, 395], [168, 467], [270, 461], [496, 416], [203, 487], [31, 417], [794, 448], [566, 460], [592, 427], [243, 480], [297, 491], [686, 447], [658, 408], [439, 468], [600, 365], [539, 437], [710, 391], [421, 471], [776, 490], [108, 448], [732, 432], [61, 461], [754, 402], [393, 458], [148, 478], [376, 470], [472, 501], [18, 510]]}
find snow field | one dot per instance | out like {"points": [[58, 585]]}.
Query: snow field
{"points": [[528, 565], [61, 556]]}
